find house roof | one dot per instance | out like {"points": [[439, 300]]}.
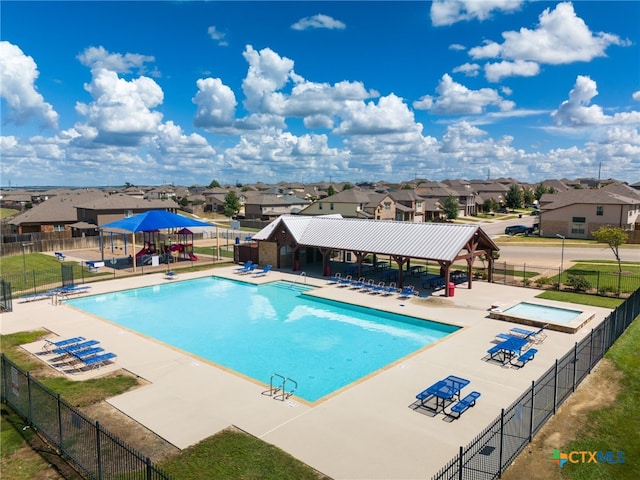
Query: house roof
{"points": [[58, 209], [584, 196], [433, 241], [122, 201]]}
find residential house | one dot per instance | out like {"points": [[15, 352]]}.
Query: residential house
{"points": [[350, 203], [409, 206], [269, 207], [577, 213], [381, 206], [441, 192], [57, 214]]}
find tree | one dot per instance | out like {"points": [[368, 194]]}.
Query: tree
{"points": [[347, 186], [528, 196], [490, 205], [614, 237], [231, 204], [331, 191], [513, 197], [539, 191], [214, 184], [451, 207]]}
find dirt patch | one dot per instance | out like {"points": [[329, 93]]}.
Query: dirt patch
{"points": [[135, 435], [436, 301], [597, 391]]}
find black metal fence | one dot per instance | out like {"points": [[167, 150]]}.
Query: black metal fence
{"points": [[488, 455], [31, 282], [6, 303], [94, 452], [597, 282]]}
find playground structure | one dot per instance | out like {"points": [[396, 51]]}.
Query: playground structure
{"points": [[165, 249]]}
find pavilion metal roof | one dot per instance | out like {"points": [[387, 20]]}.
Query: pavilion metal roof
{"points": [[433, 241]]}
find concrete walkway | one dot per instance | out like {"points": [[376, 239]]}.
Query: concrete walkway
{"points": [[368, 430]]}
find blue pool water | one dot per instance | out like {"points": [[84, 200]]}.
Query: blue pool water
{"points": [[543, 312], [259, 330]]}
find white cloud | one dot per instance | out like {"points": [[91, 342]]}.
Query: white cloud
{"points": [[577, 112], [469, 69], [636, 96], [561, 37], [100, 58], [218, 36], [216, 104], [18, 74], [448, 12], [497, 71], [318, 21], [456, 99], [389, 115]]}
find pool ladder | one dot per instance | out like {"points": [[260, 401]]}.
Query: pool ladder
{"points": [[279, 390], [302, 276]]}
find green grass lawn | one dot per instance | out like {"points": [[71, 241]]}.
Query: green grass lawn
{"points": [[7, 212], [615, 428]]}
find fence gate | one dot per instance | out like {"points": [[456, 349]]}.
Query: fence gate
{"points": [[67, 275], [6, 304]]}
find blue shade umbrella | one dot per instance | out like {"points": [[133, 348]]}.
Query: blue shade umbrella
{"points": [[153, 220]]}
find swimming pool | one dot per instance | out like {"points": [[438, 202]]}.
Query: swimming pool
{"points": [[538, 315], [261, 330], [543, 312]]}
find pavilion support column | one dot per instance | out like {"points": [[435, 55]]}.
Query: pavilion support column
{"points": [[445, 268], [491, 260], [295, 263], [400, 261], [359, 257], [326, 261]]}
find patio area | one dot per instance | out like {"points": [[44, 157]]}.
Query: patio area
{"points": [[367, 430]]}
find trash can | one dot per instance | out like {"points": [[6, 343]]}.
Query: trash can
{"points": [[452, 289]]}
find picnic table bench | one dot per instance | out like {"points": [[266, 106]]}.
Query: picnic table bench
{"points": [[60, 256], [94, 266]]}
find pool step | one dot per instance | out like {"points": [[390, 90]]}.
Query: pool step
{"points": [[291, 286]]}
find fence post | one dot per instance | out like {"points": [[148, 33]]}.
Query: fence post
{"points": [[98, 452], [149, 472], [559, 277], [30, 405], [590, 350], [598, 281], [59, 422], [501, 442], [555, 386], [524, 275], [460, 464], [575, 363], [533, 397]]}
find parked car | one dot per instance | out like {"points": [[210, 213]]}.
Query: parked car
{"points": [[515, 229], [503, 210], [535, 212]]}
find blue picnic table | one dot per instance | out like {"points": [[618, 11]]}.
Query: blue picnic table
{"points": [[509, 348], [443, 390]]}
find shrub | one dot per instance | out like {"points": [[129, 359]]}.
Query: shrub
{"points": [[578, 283]]}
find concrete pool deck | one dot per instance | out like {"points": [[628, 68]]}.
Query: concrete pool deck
{"points": [[368, 430]]}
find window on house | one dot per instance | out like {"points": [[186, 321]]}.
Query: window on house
{"points": [[58, 228], [128, 213], [331, 206], [387, 205], [319, 206], [578, 220], [419, 205], [599, 210], [577, 228]]}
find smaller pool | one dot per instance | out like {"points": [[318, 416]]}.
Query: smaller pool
{"points": [[543, 312], [537, 315]]}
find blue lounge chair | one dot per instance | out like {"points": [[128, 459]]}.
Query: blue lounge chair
{"points": [[462, 406], [244, 268], [67, 342], [98, 360], [345, 282], [524, 358], [390, 290], [536, 336], [377, 289], [358, 284], [335, 278], [263, 272], [87, 353], [170, 276], [75, 347], [407, 292], [368, 287], [249, 270]]}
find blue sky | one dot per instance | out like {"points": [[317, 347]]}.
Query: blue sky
{"points": [[103, 93]]}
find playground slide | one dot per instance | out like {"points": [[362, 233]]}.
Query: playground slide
{"points": [[142, 252], [192, 256]]}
